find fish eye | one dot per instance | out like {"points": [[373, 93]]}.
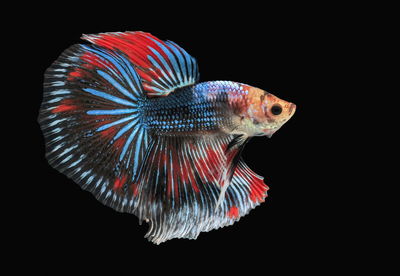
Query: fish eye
{"points": [[276, 109]]}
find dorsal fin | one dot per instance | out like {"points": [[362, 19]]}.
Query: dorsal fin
{"points": [[162, 65]]}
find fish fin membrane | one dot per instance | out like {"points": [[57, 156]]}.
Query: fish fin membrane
{"points": [[180, 184], [91, 120], [163, 65]]}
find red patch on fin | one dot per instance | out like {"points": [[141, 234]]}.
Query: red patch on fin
{"points": [[135, 189], [233, 212], [258, 190], [107, 132], [120, 142], [93, 60], [75, 74], [66, 105], [119, 182]]}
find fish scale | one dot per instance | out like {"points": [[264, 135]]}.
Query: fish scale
{"points": [[192, 109]]}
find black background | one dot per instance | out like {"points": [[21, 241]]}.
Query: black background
{"points": [[288, 52]]}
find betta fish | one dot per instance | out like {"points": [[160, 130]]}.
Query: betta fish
{"points": [[126, 118]]}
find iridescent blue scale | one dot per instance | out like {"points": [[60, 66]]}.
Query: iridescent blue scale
{"points": [[190, 109]]}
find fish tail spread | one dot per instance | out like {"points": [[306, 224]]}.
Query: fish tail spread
{"points": [[92, 120], [115, 123]]}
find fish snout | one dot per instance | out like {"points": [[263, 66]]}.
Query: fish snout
{"points": [[292, 109]]}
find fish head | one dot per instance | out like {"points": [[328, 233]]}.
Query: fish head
{"points": [[276, 113], [264, 113]]}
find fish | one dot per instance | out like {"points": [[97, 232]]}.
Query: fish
{"points": [[125, 117]]}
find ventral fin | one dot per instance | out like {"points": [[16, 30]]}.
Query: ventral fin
{"points": [[163, 65], [233, 152]]}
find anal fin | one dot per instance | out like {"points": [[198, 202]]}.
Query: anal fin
{"points": [[179, 185]]}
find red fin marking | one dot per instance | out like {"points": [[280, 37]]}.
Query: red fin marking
{"points": [[144, 41], [194, 185], [257, 186], [119, 182], [92, 60], [257, 190], [66, 105], [75, 74], [213, 162], [169, 184], [96, 61], [184, 172], [175, 165], [211, 156], [233, 212], [147, 40], [135, 189], [108, 132], [207, 174], [139, 46], [139, 62], [124, 44], [209, 163], [120, 142], [62, 108]]}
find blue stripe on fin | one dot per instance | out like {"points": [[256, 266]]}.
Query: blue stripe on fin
{"points": [[171, 58], [125, 129], [115, 84], [137, 150], [155, 63], [116, 123], [137, 86], [188, 58], [160, 57], [111, 111], [127, 143], [181, 61], [108, 96]]}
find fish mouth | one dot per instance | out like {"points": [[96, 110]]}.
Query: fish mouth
{"points": [[292, 109]]}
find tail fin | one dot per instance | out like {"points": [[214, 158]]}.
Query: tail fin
{"points": [[91, 120]]}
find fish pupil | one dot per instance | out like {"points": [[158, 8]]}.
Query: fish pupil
{"points": [[276, 109]]}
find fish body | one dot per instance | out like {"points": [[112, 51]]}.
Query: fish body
{"points": [[214, 107], [127, 119]]}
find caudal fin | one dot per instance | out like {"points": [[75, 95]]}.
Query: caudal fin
{"points": [[91, 120]]}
